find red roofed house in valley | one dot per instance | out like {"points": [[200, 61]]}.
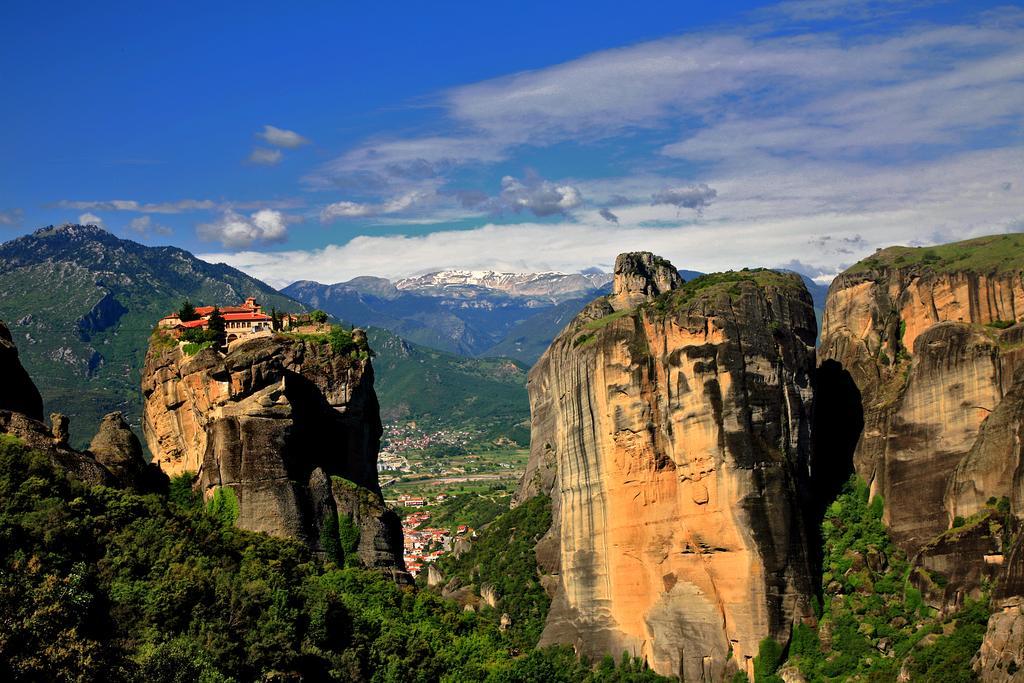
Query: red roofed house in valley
{"points": [[239, 321]]}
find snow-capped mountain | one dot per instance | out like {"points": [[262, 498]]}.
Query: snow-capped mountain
{"points": [[554, 286]]}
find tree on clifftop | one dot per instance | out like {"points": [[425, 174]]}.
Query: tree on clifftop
{"points": [[216, 325], [187, 312]]}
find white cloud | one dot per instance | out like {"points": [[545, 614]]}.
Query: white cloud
{"points": [[696, 197], [90, 219], [540, 197], [531, 194], [346, 209], [826, 217], [235, 231], [279, 137], [265, 157]]}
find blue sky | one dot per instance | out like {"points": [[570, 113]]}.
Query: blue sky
{"points": [[331, 140]]}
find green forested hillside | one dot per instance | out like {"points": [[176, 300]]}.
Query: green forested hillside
{"points": [[417, 382], [873, 622], [105, 584]]}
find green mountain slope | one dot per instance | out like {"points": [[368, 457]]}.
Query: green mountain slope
{"points": [[421, 383], [81, 304]]}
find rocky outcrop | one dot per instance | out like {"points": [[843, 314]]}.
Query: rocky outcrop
{"points": [[116, 447], [274, 420], [1001, 656], [19, 394], [932, 342], [39, 437], [671, 428], [931, 359], [380, 528]]}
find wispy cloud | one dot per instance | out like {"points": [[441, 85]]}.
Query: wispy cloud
{"points": [[11, 218], [696, 197], [788, 145], [90, 219], [263, 156], [347, 209], [826, 217], [280, 137], [180, 206], [144, 226], [531, 194], [889, 96]]}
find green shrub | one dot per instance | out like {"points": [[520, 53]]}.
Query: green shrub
{"points": [[191, 348], [767, 661], [348, 536], [224, 505], [180, 491]]}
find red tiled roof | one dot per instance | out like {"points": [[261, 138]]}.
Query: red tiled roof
{"points": [[204, 310], [195, 323], [246, 316]]}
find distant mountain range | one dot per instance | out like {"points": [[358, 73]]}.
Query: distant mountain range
{"points": [[473, 313], [81, 304]]}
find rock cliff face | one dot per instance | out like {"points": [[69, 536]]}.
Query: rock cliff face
{"points": [[928, 348], [932, 341], [274, 420], [671, 428]]}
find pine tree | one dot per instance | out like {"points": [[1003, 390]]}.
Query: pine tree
{"points": [[187, 312], [216, 325]]}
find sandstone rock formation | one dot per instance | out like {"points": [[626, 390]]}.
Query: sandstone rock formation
{"points": [[671, 426], [1001, 657], [926, 346], [932, 343], [276, 419]]}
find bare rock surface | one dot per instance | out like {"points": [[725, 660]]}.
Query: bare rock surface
{"points": [[275, 419], [671, 426]]}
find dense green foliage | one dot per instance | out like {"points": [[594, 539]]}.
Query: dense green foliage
{"points": [[192, 348], [503, 556], [767, 661], [105, 584], [726, 283], [340, 340], [224, 505], [874, 621]]}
